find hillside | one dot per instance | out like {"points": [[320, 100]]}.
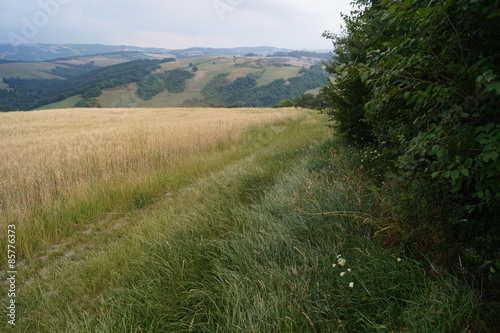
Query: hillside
{"points": [[45, 52], [67, 82], [51, 69]]}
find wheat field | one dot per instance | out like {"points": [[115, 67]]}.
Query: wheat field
{"points": [[202, 220], [51, 158]]}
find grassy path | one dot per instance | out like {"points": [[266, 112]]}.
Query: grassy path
{"points": [[78, 283], [243, 244]]}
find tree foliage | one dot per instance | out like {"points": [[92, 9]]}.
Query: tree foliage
{"points": [[173, 81], [310, 101], [286, 103], [89, 103], [69, 70], [29, 94], [244, 91], [421, 81]]}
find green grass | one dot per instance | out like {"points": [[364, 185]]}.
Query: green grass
{"points": [[64, 104], [27, 70], [274, 73], [246, 242]]}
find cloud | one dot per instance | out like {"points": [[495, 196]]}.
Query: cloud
{"points": [[176, 40], [293, 24]]}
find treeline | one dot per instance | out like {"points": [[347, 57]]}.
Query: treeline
{"points": [[28, 94], [244, 91], [419, 83], [306, 101], [300, 54], [173, 81], [73, 70]]}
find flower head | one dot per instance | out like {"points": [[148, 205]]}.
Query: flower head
{"points": [[351, 285], [342, 261]]}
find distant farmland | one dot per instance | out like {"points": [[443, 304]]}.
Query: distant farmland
{"points": [[87, 78]]}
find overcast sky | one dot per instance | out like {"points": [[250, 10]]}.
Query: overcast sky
{"points": [[173, 24]]}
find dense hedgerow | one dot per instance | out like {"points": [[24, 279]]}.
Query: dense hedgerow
{"points": [[419, 82]]}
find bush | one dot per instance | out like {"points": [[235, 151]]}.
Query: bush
{"points": [[88, 103], [310, 101], [419, 80], [285, 103]]}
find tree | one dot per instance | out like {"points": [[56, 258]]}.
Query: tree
{"points": [[88, 103], [310, 101], [420, 80], [285, 103]]}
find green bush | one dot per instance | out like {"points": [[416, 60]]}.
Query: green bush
{"points": [[88, 103], [285, 103], [420, 81], [310, 101]]}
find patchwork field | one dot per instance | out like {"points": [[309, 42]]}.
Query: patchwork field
{"points": [[209, 67]]}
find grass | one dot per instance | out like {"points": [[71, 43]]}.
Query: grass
{"points": [[67, 103], [270, 74], [27, 70], [67, 165], [242, 237]]}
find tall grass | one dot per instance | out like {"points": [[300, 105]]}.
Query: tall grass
{"points": [[252, 245], [119, 265], [64, 168]]}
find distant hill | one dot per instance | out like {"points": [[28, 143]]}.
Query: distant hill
{"points": [[45, 52], [64, 68], [27, 94], [178, 78], [195, 52]]}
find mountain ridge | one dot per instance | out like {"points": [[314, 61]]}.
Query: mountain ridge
{"points": [[47, 52]]}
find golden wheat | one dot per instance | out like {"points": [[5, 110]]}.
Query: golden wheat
{"points": [[47, 154]]}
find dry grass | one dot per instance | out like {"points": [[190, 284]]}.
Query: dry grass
{"points": [[53, 155], [27, 70]]}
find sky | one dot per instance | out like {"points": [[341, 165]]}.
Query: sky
{"points": [[173, 24]]}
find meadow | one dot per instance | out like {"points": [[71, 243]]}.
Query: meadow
{"points": [[52, 160], [205, 220]]}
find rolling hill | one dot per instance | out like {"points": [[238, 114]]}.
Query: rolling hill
{"points": [[143, 79], [47, 52]]}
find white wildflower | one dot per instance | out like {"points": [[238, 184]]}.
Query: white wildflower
{"points": [[351, 285], [349, 270], [342, 261], [342, 274]]}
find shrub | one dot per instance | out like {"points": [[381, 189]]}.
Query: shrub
{"points": [[88, 103], [420, 81]]}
